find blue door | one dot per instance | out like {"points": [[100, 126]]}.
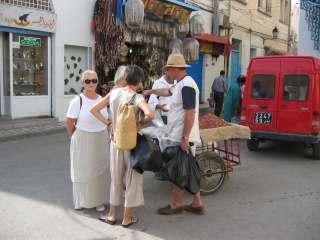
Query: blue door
{"points": [[195, 71], [235, 65]]}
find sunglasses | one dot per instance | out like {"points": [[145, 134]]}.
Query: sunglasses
{"points": [[88, 81]]}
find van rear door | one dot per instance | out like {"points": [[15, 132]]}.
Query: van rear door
{"points": [[295, 97], [262, 94]]}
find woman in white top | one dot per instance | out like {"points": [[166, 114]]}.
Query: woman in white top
{"points": [[89, 148], [120, 159]]}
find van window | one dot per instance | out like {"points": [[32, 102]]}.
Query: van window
{"points": [[296, 87], [263, 86]]}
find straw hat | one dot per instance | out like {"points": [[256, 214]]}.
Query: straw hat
{"points": [[176, 61]]}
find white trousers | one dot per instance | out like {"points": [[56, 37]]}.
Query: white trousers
{"points": [[123, 175]]}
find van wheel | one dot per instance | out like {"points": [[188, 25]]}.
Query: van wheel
{"points": [[253, 144], [316, 151]]}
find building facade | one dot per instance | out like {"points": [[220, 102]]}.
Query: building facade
{"points": [[255, 28], [41, 44], [45, 45]]}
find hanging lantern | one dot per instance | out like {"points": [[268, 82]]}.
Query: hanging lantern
{"points": [[196, 24], [191, 50], [183, 28], [175, 46], [134, 12]]}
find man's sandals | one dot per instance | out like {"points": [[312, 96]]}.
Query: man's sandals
{"points": [[189, 208], [195, 210]]}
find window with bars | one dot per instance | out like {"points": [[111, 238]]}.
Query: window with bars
{"points": [[265, 6], [45, 5]]}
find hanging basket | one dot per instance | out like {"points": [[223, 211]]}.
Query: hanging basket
{"points": [[183, 28], [175, 46], [196, 23], [191, 50], [134, 13]]}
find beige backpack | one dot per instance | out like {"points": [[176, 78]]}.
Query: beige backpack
{"points": [[126, 131]]}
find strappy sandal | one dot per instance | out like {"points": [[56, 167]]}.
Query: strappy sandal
{"points": [[133, 220], [105, 219]]}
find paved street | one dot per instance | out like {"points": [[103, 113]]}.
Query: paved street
{"points": [[274, 194]]}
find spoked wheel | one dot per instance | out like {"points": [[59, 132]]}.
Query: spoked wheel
{"points": [[213, 171]]}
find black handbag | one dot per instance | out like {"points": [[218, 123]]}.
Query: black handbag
{"points": [[146, 156]]}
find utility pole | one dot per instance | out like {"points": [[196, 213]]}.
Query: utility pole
{"points": [[215, 18]]}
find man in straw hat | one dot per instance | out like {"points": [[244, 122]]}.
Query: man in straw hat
{"points": [[183, 124]]}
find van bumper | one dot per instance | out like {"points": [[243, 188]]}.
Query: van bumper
{"points": [[286, 137]]}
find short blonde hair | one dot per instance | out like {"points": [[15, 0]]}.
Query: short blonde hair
{"points": [[121, 74], [87, 72]]}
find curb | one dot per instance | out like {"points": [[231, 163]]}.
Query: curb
{"points": [[23, 135]]}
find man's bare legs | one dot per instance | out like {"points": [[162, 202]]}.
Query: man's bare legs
{"points": [[177, 200]]}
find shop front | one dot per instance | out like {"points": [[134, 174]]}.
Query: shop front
{"points": [[25, 57], [147, 32]]}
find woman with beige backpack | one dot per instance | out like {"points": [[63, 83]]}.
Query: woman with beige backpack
{"points": [[124, 106]]}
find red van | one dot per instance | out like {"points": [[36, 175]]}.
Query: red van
{"points": [[281, 100]]}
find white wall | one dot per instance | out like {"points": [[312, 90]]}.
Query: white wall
{"points": [[211, 66], [73, 28], [305, 46]]}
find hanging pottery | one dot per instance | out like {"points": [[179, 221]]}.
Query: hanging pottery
{"points": [[134, 13], [196, 23], [175, 46], [191, 50]]}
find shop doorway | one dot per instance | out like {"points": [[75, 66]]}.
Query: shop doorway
{"points": [[235, 60], [195, 71], [25, 75]]}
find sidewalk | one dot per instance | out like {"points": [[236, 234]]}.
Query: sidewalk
{"points": [[27, 127]]}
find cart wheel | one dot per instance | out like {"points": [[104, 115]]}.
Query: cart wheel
{"points": [[213, 171], [316, 151], [253, 144]]}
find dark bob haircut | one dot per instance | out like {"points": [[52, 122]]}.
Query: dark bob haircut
{"points": [[135, 74]]}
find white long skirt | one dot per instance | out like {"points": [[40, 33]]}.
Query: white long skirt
{"points": [[90, 171], [92, 193]]}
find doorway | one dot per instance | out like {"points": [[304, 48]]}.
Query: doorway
{"points": [[25, 76]]}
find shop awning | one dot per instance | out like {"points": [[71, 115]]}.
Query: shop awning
{"points": [[214, 45], [183, 4], [212, 38], [178, 10]]}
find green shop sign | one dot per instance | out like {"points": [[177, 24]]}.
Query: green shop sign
{"points": [[30, 42]]}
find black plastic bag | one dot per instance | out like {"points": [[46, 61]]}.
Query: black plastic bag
{"points": [[146, 156], [183, 169], [177, 166], [195, 175]]}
